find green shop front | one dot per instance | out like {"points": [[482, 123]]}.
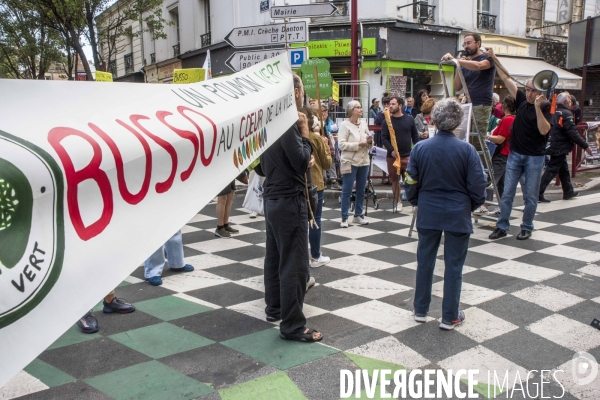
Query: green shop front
{"points": [[399, 59]]}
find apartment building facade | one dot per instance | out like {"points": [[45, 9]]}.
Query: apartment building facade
{"points": [[402, 43]]}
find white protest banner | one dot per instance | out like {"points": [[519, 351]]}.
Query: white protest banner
{"points": [[94, 178]]}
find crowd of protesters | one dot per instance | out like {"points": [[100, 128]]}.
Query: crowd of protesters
{"points": [[441, 174]]}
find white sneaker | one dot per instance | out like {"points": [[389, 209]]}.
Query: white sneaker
{"points": [[344, 223], [253, 214], [360, 221], [495, 212], [481, 211], [321, 261]]}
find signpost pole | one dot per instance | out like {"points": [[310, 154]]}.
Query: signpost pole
{"points": [[354, 46], [319, 101]]}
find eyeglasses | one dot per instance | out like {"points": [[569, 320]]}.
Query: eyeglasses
{"points": [[358, 107], [467, 43]]}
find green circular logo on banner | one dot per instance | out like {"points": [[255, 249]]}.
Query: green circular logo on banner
{"points": [[16, 202], [31, 226]]}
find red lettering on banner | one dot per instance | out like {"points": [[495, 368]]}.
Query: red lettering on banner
{"points": [[161, 115], [241, 124], [125, 193], [161, 187], [205, 160], [74, 178]]}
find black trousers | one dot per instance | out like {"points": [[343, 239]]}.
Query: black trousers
{"points": [[286, 262], [557, 165], [499, 166]]}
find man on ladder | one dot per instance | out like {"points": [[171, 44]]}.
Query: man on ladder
{"points": [[479, 71]]}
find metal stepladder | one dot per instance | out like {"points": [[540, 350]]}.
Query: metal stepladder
{"points": [[476, 139]]}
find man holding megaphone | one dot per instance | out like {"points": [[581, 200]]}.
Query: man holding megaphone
{"points": [[530, 128]]}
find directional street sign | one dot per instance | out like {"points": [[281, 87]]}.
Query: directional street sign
{"points": [[303, 11], [263, 35], [244, 59]]}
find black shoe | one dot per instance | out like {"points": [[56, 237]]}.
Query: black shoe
{"points": [[570, 195], [118, 306], [542, 199], [497, 234], [524, 235], [88, 323]]}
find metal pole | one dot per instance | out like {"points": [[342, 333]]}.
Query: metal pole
{"points": [[586, 60], [354, 46]]}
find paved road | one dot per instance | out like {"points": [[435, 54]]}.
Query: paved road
{"points": [[528, 304]]}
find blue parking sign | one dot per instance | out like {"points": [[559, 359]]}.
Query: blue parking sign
{"points": [[297, 56]]}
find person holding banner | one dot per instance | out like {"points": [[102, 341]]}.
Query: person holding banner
{"points": [[355, 142], [445, 179], [286, 269], [322, 156], [224, 203], [112, 304], [154, 265]]}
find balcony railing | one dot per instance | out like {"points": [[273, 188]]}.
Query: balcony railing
{"points": [[423, 12], [205, 39], [128, 59], [112, 67], [176, 50], [152, 58], [486, 21]]}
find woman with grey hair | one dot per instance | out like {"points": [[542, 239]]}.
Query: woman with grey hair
{"points": [[355, 142], [447, 114], [445, 179]]}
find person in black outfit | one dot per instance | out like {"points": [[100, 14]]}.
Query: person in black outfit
{"points": [[286, 268], [422, 97], [562, 137], [575, 110], [530, 129], [406, 132]]}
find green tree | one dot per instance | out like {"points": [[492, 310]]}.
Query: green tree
{"points": [[27, 45]]}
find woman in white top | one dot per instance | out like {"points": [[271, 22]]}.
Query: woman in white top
{"points": [[355, 142]]}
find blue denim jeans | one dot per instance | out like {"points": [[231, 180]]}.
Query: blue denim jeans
{"points": [[527, 169], [314, 234], [455, 253], [358, 174], [153, 266]]}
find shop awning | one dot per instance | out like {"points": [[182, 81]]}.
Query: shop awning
{"points": [[523, 68]]}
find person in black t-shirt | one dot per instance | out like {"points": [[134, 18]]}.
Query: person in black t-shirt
{"points": [[479, 71], [527, 150], [406, 132]]}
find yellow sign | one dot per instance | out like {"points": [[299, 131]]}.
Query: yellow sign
{"points": [[189, 75], [103, 76], [337, 48], [335, 91]]}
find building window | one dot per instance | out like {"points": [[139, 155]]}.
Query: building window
{"points": [[205, 39], [112, 67], [485, 20], [174, 13], [128, 60], [423, 12]]}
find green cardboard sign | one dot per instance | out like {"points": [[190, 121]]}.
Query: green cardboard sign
{"points": [[324, 77]]}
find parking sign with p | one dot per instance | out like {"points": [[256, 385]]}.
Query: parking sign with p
{"points": [[297, 56]]}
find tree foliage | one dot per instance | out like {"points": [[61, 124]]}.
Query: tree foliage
{"points": [[34, 33], [27, 45]]}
